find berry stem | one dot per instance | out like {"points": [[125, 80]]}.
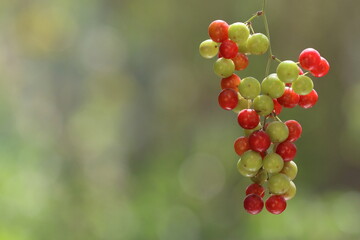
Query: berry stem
{"points": [[257, 14], [268, 35]]}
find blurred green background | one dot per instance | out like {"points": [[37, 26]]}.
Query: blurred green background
{"points": [[110, 127]]}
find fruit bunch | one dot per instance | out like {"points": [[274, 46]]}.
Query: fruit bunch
{"points": [[267, 149]]}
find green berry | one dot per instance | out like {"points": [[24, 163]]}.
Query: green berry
{"points": [[257, 44], [279, 183], [273, 163], [288, 71], [277, 131], [224, 67], [249, 88], [273, 86], [208, 48], [303, 85], [263, 105], [239, 32]]}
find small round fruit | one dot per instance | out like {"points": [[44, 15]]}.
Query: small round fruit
{"points": [[244, 172], [290, 169], [295, 130], [263, 105], [287, 71], [242, 47], [257, 44], [256, 189], [241, 61], [289, 99], [242, 104], [291, 192], [309, 100], [275, 204], [228, 49], [231, 82], [251, 161], [277, 107], [208, 49], [248, 132], [249, 88], [279, 183], [309, 58], [248, 118], [253, 204], [303, 85], [259, 141], [273, 163], [241, 145], [321, 69], [287, 150], [228, 99], [239, 32], [277, 131], [224, 67], [272, 86], [261, 177], [218, 30]]}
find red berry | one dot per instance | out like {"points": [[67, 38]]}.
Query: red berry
{"points": [[259, 141], [277, 107], [309, 58], [255, 189], [295, 130], [288, 84], [248, 118], [289, 99], [309, 100], [321, 69], [241, 61], [263, 154], [276, 204], [253, 204], [218, 30], [228, 49], [231, 82], [228, 99], [241, 145], [287, 150]]}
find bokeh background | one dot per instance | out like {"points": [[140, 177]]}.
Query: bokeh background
{"points": [[110, 127]]}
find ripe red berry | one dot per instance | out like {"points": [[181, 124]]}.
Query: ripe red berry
{"points": [[259, 141], [253, 204], [309, 100], [241, 61], [231, 82], [218, 30], [228, 49], [277, 107], [321, 69], [255, 189], [289, 99], [295, 130], [309, 58], [287, 150], [241, 145], [248, 118], [276, 204], [228, 99]]}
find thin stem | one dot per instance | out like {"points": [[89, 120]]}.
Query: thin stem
{"points": [[265, 118], [276, 59], [252, 29], [257, 14], [277, 118], [268, 35]]}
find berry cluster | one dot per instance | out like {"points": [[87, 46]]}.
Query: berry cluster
{"points": [[268, 149]]}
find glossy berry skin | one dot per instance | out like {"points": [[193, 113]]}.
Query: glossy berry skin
{"points": [[287, 150], [248, 119], [321, 69], [309, 100], [277, 107], [295, 130], [253, 204], [289, 99], [218, 30], [241, 61], [309, 58], [257, 44], [241, 145], [231, 82], [255, 189], [228, 49], [228, 99], [224, 67], [276, 204], [259, 141]]}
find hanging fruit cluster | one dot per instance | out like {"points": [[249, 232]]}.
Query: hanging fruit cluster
{"points": [[267, 149]]}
